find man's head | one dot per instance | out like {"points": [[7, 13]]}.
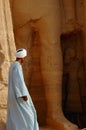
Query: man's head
{"points": [[20, 55]]}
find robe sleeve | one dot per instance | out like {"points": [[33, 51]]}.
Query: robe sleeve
{"points": [[18, 82]]}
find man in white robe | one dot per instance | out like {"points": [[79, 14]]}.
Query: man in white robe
{"points": [[21, 114]]}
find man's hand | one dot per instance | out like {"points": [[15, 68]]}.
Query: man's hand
{"points": [[25, 98]]}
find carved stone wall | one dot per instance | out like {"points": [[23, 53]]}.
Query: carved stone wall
{"points": [[72, 20], [72, 13], [73, 38], [7, 47]]}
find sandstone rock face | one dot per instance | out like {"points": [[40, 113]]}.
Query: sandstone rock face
{"points": [[41, 19], [38, 27], [7, 47]]}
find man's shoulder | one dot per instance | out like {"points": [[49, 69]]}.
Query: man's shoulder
{"points": [[15, 65]]}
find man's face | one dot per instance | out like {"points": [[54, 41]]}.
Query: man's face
{"points": [[23, 59]]}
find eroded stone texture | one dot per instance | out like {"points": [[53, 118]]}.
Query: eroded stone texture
{"points": [[44, 17], [7, 47], [38, 26], [84, 32]]}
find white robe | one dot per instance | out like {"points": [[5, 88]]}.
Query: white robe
{"points": [[21, 115]]}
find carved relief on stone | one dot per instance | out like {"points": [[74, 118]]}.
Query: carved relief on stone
{"points": [[2, 58], [72, 15], [45, 17], [7, 48], [74, 90]]}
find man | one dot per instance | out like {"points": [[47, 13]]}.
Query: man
{"points": [[21, 113]]}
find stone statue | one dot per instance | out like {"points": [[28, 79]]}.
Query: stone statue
{"points": [[73, 67], [44, 16]]}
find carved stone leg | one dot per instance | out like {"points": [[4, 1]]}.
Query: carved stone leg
{"points": [[51, 65]]}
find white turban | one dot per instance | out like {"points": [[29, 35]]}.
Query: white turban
{"points": [[21, 53]]}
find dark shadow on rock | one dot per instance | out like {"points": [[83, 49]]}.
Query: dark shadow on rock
{"points": [[2, 58]]}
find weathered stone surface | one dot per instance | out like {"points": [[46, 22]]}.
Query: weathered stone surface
{"points": [[3, 106], [35, 20], [38, 26], [7, 47]]}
